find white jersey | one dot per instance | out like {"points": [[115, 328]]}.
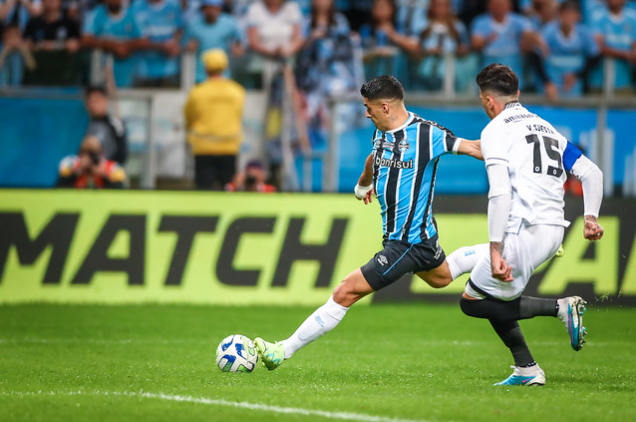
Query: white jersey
{"points": [[533, 151]]}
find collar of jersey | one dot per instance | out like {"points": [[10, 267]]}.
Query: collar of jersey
{"points": [[408, 121], [512, 104]]}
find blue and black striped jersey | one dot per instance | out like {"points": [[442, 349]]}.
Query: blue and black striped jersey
{"points": [[404, 167]]}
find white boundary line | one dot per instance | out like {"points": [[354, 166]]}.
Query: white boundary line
{"points": [[220, 402], [29, 340]]}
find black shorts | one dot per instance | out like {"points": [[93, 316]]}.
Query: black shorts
{"points": [[399, 258]]}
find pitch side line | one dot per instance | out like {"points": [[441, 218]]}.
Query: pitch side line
{"points": [[220, 402], [192, 341]]}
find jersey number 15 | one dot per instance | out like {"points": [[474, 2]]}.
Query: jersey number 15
{"points": [[551, 148]]}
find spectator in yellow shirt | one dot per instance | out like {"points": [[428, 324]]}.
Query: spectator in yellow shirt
{"points": [[213, 117]]}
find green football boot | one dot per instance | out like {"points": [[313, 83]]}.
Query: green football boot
{"points": [[272, 354]]}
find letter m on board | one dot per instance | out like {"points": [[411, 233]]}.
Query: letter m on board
{"points": [[57, 235]]}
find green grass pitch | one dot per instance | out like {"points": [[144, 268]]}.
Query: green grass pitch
{"points": [[389, 362]]}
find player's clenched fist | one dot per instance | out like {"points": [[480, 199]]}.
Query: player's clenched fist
{"points": [[593, 230], [364, 193]]}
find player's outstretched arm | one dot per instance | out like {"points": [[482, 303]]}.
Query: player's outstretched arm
{"points": [[591, 178], [499, 204], [364, 188], [472, 148]]}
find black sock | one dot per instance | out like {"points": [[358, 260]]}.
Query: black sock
{"points": [[533, 306], [510, 333]]}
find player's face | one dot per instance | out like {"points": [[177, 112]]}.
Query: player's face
{"points": [[377, 112], [488, 103]]}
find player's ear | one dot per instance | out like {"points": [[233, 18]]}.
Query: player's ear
{"points": [[385, 107]]}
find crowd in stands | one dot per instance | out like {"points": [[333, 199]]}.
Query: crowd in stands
{"points": [[557, 45], [320, 47]]}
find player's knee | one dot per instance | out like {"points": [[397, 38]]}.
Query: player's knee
{"points": [[345, 294]]}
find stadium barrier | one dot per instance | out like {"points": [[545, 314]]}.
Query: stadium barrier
{"points": [[242, 249]]}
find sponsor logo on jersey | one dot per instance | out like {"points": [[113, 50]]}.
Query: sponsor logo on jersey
{"points": [[398, 164], [516, 117], [388, 145]]}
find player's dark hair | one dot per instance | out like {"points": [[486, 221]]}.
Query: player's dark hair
{"points": [[499, 79], [95, 89], [384, 87]]}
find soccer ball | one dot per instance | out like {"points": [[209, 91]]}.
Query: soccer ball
{"points": [[236, 353]]}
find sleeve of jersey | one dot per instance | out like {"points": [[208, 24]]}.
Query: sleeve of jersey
{"points": [[444, 141], [591, 179], [499, 201], [493, 149]]}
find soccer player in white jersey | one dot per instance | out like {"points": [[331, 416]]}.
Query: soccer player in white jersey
{"points": [[526, 160], [401, 169]]}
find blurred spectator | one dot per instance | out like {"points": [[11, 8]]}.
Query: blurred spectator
{"points": [[357, 12], [274, 32], [382, 42], [14, 56], [411, 16], [327, 65], [90, 170], [108, 129], [615, 32], [470, 9], [52, 30], [71, 9], [501, 36], [252, 179], [443, 34], [212, 29], [572, 52], [213, 118], [541, 12], [18, 12], [114, 29], [192, 8], [161, 23]]}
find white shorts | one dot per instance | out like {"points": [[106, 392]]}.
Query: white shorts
{"points": [[524, 251]]}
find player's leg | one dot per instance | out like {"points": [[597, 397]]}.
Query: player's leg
{"points": [[461, 261], [324, 319], [503, 317], [524, 307], [526, 370], [386, 267]]}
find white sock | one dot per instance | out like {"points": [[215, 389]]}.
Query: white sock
{"points": [[323, 320], [463, 260]]}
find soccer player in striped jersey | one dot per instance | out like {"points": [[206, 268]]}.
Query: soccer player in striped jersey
{"points": [[401, 170]]}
